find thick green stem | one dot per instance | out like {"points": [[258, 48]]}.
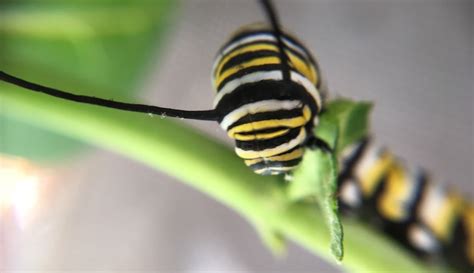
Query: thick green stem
{"points": [[210, 167]]}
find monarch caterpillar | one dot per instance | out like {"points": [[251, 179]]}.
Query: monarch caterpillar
{"points": [[271, 126], [209, 115], [427, 218], [267, 96]]}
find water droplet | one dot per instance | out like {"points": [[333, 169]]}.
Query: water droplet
{"points": [[150, 115], [163, 115]]}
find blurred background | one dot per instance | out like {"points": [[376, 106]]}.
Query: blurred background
{"points": [[79, 208]]}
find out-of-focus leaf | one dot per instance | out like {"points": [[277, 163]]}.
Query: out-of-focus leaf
{"points": [[100, 48], [343, 123]]}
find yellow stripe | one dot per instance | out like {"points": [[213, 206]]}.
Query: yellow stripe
{"points": [[289, 156], [468, 216], [267, 124], [301, 65], [443, 225], [305, 68], [242, 50], [307, 113], [397, 190], [284, 157], [271, 123], [260, 136], [250, 154], [249, 162], [373, 175], [237, 68]]}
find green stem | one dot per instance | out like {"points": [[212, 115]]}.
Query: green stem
{"points": [[210, 167]]}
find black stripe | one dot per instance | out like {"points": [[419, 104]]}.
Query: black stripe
{"points": [[270, 164], [456, 250], [259, 145], [262, 42], [350, 163], [279, 114], [420, 191], [265, 90], [248, 56], [294, 52], [246, 71], [266, 30], [246, 33], [264, 131], [295, 41]]}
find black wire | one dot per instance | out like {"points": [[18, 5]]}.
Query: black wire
{"points": [[272, 17], [141, 108]]}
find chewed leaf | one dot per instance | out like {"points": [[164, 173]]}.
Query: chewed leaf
{"points": [[317, 178]]}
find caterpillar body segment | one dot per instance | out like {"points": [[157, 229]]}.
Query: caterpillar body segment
{"points": [[270, 117], [430, 220]]}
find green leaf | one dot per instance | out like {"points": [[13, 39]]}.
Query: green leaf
{"points": [[101, 48], [343, 122], [316, 178]]}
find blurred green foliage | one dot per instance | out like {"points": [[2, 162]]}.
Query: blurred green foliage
{"points": [[101, 48]]}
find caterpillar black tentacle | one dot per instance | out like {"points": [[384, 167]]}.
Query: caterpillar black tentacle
{"points": [[132, 107]]}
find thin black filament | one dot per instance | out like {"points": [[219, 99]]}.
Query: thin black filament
{"points": [[141, 108], [272, 17]]}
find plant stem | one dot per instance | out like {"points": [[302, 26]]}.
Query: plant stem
{"points": [[211, 168]]}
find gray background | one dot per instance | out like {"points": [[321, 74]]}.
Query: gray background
{"points": [[413, 59]]}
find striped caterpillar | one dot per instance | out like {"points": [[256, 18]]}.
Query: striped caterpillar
{"points": [[273, 128], [428, 219]]}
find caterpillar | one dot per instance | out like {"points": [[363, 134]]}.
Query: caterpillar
{"points": [[272, 126], [428, 219], [267, 96], [269, 92]]}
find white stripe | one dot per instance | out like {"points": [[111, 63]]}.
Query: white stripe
{"points": [[275, 150], [261, 37], [264, 37], [422, 239], [275, 170], [250, 78], [370, 156], [432, 202], [258, 107], [250, 39], [348, 153], [296, 48], [308, 86], [316, 120], [350, 194], [253, 38]]}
